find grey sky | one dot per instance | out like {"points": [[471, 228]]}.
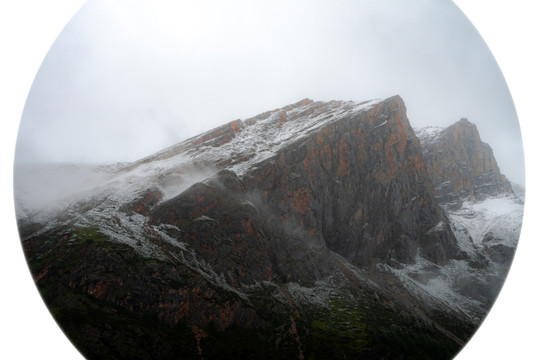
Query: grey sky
{"points": [[127, 78]]}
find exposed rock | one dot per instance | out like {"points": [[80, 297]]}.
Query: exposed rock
{"points": [[485, 213], [460, 164], [359, 184], [309, 231]]}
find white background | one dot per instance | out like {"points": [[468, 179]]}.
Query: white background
{"points": [[28, 29]]}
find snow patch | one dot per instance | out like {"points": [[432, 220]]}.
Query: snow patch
{"points": [[43, 191], [438, 283], [501, 217], [382, 124], [429, 134]]}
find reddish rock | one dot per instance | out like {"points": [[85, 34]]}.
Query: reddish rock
{"points": [[460, 165], [353, 189], [357, 186]]}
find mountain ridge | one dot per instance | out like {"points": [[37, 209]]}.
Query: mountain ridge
{"points": [[459, 175], [287, 227]]}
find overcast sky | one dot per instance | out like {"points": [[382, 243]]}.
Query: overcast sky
{"points": [[127, 78]]}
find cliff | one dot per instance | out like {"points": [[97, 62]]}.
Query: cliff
{"points": [[460, 165], [309, 231], [357, 186]]}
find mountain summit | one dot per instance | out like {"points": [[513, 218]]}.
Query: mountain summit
{"points": [[316, 230], [460, 164]]}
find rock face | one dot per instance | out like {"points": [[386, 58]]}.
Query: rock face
{"points": [[309, 231], [460, 164], [479, 200], [358, 186]]}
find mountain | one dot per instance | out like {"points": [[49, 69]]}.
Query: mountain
{"points": [[460, 165], [485, 213], [316, 230]]}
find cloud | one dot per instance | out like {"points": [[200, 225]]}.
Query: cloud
{"points": [[127, 78]]}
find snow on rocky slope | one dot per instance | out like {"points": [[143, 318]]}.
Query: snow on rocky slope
{"points": [[486, 221], [487, 232], [41, 190], [138, 204], [44, 191]]}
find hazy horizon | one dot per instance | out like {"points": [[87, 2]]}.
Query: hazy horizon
{"points": [[129, 78]]}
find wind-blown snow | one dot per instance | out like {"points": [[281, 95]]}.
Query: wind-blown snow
{"points": [[43, 191], [45, 187]]}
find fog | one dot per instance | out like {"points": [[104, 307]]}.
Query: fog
{"points": [[42, 187], [128, 78]]}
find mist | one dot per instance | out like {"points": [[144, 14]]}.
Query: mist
{"points": [[45, 187], [41, 189], [128, 78]]}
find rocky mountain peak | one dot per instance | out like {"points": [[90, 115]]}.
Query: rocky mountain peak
{"points": [[240, 144], [460, 164], [313, 230], [465, 122], [328, 179]]}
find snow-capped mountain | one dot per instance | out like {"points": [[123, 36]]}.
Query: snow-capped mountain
{"points": [[316, 230]]}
